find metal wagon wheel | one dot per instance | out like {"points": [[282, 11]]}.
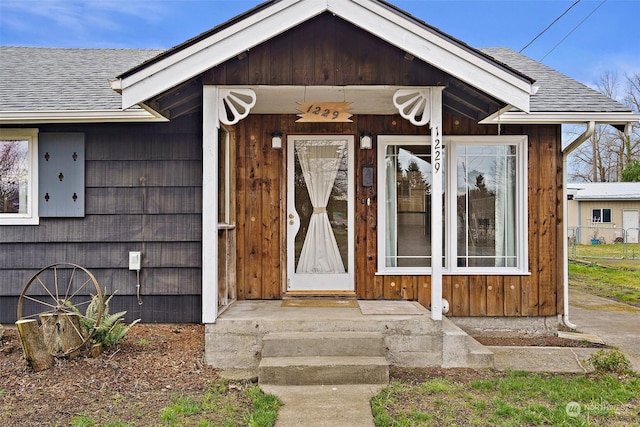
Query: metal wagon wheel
{"points": [[63, 289]]}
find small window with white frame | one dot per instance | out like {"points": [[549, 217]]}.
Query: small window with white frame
{"points": [[484, 215], [601, 216], [18, 176]]}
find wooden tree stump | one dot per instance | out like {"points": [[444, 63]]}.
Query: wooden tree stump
{"points": [[62, 333], [35, 350]]}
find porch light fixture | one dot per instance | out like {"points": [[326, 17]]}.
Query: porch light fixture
{"points": [[276, 140], [366, 141]]}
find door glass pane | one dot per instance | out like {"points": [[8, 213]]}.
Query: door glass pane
{"points": [[321, 197]]}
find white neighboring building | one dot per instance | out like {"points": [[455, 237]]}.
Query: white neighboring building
{"points": [[605, 212]]}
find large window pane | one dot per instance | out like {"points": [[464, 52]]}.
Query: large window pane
{"points": [[486, 205], [14, 176], [408, 206]]}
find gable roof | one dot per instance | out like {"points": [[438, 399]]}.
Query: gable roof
{"points": [[597, 191], [277, 16], [44, 84]]}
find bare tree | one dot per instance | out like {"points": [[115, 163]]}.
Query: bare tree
{"points": [[609, 150], [632, 100]]}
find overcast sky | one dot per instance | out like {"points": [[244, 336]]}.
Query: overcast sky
{"points": [[593, 37]]}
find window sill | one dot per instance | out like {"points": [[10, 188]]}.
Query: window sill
{"points": [[470, 272], [20, 221]]}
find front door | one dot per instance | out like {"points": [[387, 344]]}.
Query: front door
{"points": [[320, 195], [630, 224]]}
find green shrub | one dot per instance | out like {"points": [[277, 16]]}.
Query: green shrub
{"points": [[610, 361]]}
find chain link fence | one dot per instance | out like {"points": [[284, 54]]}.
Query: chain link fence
{"points": [[604, 242]]}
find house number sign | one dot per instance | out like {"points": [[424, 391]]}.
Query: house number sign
{"points": [[324, 112], [437, 151]]}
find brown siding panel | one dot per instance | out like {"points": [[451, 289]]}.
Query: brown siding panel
{"points": [[547, 226], [326, 50], [495, 296], [477, 295], [261, 170], [460, 296]]}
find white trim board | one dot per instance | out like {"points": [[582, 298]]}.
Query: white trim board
{"points": [[513, 117], [78, 116]]}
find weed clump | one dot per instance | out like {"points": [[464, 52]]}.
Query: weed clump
{"points": [[610, 361]]}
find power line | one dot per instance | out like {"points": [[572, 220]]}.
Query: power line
{"points": [[549, 26], [574, 28]]}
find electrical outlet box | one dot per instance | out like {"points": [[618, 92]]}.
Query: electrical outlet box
{"points": [[135, 260]]}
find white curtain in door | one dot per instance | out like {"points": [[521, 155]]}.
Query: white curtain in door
{"points": [[319, 161]]}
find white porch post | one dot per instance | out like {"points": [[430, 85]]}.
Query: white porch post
{"points": [[210, 127], [420, 106], [437, 165]]}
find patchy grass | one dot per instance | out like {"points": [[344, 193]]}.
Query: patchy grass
{"points": [[511, 399], [224, 404], [618, 253], [619, 284]]}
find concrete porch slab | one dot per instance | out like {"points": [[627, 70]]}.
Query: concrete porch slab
{"points": [[392, 308], [410, 337]]}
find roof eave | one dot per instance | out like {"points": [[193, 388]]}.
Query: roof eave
{"points": [[559, 117], [79, 116], [606, 198]]}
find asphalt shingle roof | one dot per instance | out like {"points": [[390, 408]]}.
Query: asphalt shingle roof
{"points": [[53, 79], [557, 92]]}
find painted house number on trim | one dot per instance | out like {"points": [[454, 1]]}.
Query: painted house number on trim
{"points": [[437, 151], [324, 112]]}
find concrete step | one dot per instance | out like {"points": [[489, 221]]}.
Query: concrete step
{"points": [[462, 350], [323, 344], [323, 370]]}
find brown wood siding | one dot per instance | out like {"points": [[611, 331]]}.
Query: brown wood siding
{"points": [[143, 192], [261, 221], [324, 51]]}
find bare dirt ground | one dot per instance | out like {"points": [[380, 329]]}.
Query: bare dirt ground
{"points": [[134, 380], [130, 382], [544, 341]]}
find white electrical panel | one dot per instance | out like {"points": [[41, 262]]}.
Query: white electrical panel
{"points": [[135, 260]]}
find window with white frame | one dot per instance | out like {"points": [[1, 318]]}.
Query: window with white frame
{"points": [[601, 215], [18, 176], [405, 186], [484, 210]]}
